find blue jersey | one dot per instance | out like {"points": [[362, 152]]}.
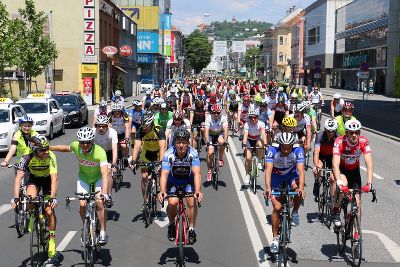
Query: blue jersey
{"points": [[136, 115], [264, 117], [116, 99], [180, 171], [285, 168]]}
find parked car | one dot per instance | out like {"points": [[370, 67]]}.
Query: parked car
{"points": [[46, 113], [9, 116], [75, 108], [146, 84]]}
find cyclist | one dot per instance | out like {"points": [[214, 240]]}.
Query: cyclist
{"points": [[19, 141], [197, 118], [281, 93], [147, 99], [279, 111], [215, 132], [186, 100], [288, 125], [272, 101], [323, 149], [303, 128], [254, 137], [181, 167], [242, 115], [119, 120], [336, 105], [347, 151], [172, 99], [163, 116], [41, 164], [157, 92], [293, 102], [93, 172], [107, 138], [136, 114], [232, 105], [177, 122], [313, 116], [347, 114], [151, 140], [101, 110], [117, 97], [263, 94], [284, 164], [317, 100]]}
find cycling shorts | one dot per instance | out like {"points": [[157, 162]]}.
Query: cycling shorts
{"points": [[327, 159], [135, 126], [276, 182], [188, 185], [83, 187], [149, 156], [214, 138], [353, 177], [121, 136], [252, 143], [41, 183]]}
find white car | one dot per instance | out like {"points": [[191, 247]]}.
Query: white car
{"points": [[146, 84], [10, 113], [46, 113]]}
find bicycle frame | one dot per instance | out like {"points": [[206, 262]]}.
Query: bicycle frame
{"points": [[215, 164], [254, 167]]}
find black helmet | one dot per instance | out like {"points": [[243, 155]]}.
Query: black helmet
{"points": [[182, 134], [38, 142]]}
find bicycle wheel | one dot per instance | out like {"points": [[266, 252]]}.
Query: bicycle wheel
{"points": [[321, 199], [215, 172], [254, 174], [282, 257], [154, 201], [181, 255], [88, 252], [341, 231], [328, 207], [21, 219], [356, 241], [35, 248], [307, 160], [198, 143], [147, 203]]}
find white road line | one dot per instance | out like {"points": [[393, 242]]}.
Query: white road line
{"points": [[251, 227], [377, 176], [390, 246], [4, 208], [64, 243], [162, 220]]}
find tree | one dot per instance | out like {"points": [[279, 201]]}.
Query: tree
{"points": [[198, 51], [252, 55], [36, 50]]}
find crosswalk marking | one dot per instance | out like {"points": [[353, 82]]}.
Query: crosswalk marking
{"points": [[64, 243]]}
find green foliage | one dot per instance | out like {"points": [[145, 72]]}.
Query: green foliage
{"points": [[252, 55], [198, 50], [228, 30], [120, 85]]}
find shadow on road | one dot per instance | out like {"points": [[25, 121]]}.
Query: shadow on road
{"points": [[313, 217], [292, 255], [171, 254], [397, 182], [331, 251], [113, 215], [103, 258]]}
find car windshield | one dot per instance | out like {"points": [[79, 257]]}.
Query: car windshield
{"points": [[147, 82], [4, 116], [68, 100], [34, 107]]}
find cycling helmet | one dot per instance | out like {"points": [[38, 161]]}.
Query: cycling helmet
{"points": [[281, 99], [300, 107], [232, 92], [331, 125], [117, 106], [286, 139], [337, 96], [216, 108], [182, 134], [253, 112], [289, 122], [258, 98], [85, 134], [352, 125], [178, 114], [38, 142], [173, 90], [163, 105], [293, 95], [306, 104], [157, 101], [103, 104], [139, 103], [102, 120], [186, 90], [246, 98], [280, 89], [148, 92], [148, 118], [262, 90], [117, 93], [25, 118], [348, 105]]}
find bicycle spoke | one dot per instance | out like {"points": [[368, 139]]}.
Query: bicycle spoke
{"points": [[181, 255], [356, 242]]}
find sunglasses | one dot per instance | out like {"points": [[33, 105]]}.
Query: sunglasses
{"points": [[216, 113], [43, 150], [354, 132], [101, 126], [253, 117], [85, 142]]}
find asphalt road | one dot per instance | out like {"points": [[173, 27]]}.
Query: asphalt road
{"points": [[232, 227]]}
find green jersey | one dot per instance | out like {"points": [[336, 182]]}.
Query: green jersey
{"points": [[89, 164], [22, 142], [162, 120], [340, 120]]}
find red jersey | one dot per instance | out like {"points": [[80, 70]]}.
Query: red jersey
{"points": [[349, 153]]}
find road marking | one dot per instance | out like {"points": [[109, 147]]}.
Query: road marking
{"points": [[377, 176], [162, 220], [4, 208], [64, 243], [390, 246], [251, 227]]}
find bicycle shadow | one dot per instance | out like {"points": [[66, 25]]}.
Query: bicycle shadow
{"points": [[125, 185], [292, 255], [103, 257], [397, 181], [171, 254], [313, 217], [113, 215], [332, 252]]}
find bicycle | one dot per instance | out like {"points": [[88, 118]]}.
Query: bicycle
{"points": [[40, 231], [215, 164], [232, 123], [285, 225], [254, 167], [199, 139], [325, 198], [181, 222], [91, 226], [151, 190], [350, 228], [21, 212], [118, 176]]}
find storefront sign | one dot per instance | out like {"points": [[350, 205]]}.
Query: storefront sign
{"points": [[145, 58], [89, 51], [88, 68], [146, 17], [106, 8], [147, 42], [87, 89], [353, 60]]}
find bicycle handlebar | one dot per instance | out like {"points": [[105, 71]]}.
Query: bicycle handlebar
{"points": [[80, 196], [181, 195], [144, 164]]}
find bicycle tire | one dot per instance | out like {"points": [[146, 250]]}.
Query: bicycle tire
{"points": [[21, 220], [181, 255], [282, 257], [341, 232], [147, 203], [35, 246], [321, 199], [88, 253], [154, 200], [215, 171], [307, 161], [356, 244], [198, 143], [328, 207], [254, 174]]}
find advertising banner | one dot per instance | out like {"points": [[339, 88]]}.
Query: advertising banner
{"points": [[147, 42], [167, 21], [239, 46], [220, 48], [145, 58], [146, 17], [87, 90], [173, 55]]}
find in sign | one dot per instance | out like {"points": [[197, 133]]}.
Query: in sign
{"points": [[89, 37]]}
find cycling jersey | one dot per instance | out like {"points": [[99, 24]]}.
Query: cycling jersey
{"points": [[233, 104], [136, 116], [107, 139], [340, 120], [38, 167], [284, 168], [254, 130], [264, 117], [21, 141], [147, 101], [118, 123], [216, 127], [89, 164], [199, 115], [349, 153], [324, 144], [271, 102], [150, 140], [186, 100], [338, 105], [162, 120], [243, 112], [304, 123], [315, 97], [180, 170]]}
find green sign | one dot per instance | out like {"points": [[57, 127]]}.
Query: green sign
{"points": [[397, 77]]}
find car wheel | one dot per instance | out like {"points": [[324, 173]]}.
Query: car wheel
{"points": [[62, 130], [51, 133]]}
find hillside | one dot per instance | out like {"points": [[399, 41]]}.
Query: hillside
{"points": [[239, 30]]}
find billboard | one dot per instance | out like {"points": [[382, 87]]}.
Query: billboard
{"points": [[173, 51], [147, 42], [220, 48], [239, 46], [145, 58], [167, 21], [146, 17]]}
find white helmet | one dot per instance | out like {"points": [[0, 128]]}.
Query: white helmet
{"points": [[102, 120], [117, 93], [294, 95], [148, 118], [157, 101], [337, 96], [103, 104], [85, 134], [352, 125], [286, 138], [148, 92], [331, 125], [253, 112], [117, 106]]}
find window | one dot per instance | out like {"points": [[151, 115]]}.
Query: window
{"points": [[280, 56], [280, 40], [313, 36]]}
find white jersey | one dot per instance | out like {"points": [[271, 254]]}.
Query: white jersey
{"points": [[243, 112], [271, 102], [315, 98], [118, 124], [107, 139], [304, 123], [98, 113], [216, 127], [254, 130], [173, 128]]}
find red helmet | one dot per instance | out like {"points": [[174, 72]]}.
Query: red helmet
{"points": [[348, 105], [246, 98], [178, 114], [212, 95], [216, 108]]}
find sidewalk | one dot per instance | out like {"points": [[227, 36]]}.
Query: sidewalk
{"points": [[381, 114]]}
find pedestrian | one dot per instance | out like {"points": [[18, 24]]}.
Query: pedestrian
{"points": [[371, 87]]}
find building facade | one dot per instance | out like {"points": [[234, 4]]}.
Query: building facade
{"points": [[297, 50]]}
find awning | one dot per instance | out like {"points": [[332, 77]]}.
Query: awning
{"points": [[121, 69]]}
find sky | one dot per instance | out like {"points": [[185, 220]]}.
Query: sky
{"points": [[186, 14]]}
